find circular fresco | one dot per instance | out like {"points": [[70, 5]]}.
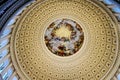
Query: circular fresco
{"points": [[64, 37]]}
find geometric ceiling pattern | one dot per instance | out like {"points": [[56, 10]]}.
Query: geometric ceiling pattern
{"points": [[98, 58]]}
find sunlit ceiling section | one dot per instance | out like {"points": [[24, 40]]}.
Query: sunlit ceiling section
{"points": [[7, 70], [114, 6]]}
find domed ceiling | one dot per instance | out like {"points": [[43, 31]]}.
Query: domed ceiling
{"points": [[66, 40]]}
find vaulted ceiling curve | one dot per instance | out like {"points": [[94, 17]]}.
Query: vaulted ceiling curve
{"points": [[60, 40], [96, 59]]}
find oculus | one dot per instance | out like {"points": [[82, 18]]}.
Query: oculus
{"points": [[64, 37]]}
